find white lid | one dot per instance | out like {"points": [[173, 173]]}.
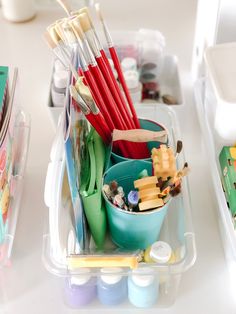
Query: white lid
{"points": [[143, 277], [58, 66], [111, 275], [131, 78], [82, 278], [221, 66], [60, 78], [129, 64], [160, 252]]}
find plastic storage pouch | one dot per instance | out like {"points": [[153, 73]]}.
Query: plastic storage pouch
{"points": [[132, 230]]}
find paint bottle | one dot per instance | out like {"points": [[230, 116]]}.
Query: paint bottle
{"points": [[129, 64], [159, 252], [143, 287], [18, 11], [133, 84], [58, 88], [80, 289], [111, 286]]}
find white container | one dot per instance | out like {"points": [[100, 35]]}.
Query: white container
{"points": [[213, 146], [221, 72], [18, 10]]}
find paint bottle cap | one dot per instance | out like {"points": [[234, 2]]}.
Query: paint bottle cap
{"points": [[82, 278], [128, 64], [58, 66], [143, 277], [111, 275], [60, 78], [160, 252], [131, 78]]}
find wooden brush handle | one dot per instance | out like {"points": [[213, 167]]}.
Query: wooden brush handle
{"points": [[139, 135]]}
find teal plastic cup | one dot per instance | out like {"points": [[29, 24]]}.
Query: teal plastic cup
{"points": [[145, 125], [132, 230]]}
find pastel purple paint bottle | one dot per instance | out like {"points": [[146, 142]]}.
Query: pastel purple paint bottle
{"points": [[112, 286], [80, 289]]}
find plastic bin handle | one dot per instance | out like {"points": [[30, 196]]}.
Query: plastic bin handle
{"points": [[138, 135]]}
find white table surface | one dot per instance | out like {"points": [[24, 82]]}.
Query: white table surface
{"points": [[26, 287]]}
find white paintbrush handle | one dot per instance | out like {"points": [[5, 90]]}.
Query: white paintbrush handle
{"points": [[139, 135]]}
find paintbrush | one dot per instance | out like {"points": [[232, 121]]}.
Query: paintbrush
{"points": [[95, 118], [60, 44], [53, 46], [105, 68], [117, 65], [179, 148], [65, 5], [121, 121]]}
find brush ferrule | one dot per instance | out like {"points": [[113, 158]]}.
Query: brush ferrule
{"points": [[68, 61], [85, 109], [107, 35], [91, 39], [83, 61], [99, 45], [88, 52], [94, 108]]}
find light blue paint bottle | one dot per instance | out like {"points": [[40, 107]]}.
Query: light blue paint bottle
{"points": [[112, 286], [143, 287]]}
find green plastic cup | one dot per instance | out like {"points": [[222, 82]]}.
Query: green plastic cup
{"points": [[132, 230], [146, 125]]}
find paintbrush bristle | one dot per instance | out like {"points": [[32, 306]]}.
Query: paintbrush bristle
{"points": [[84, 22], [98, 10], [69, 33], [54, 34], [49, 40], [59, 29], [86, 11], [75, 25]]}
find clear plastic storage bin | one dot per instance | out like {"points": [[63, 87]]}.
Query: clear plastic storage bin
{"points": [[160, 282], [13, 156], [213, 145], [20, 149]]}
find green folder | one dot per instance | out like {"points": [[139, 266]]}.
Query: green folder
{"points": [[91, 187]]}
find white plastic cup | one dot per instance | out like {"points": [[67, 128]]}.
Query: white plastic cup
{"points": [[18, 10]]}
